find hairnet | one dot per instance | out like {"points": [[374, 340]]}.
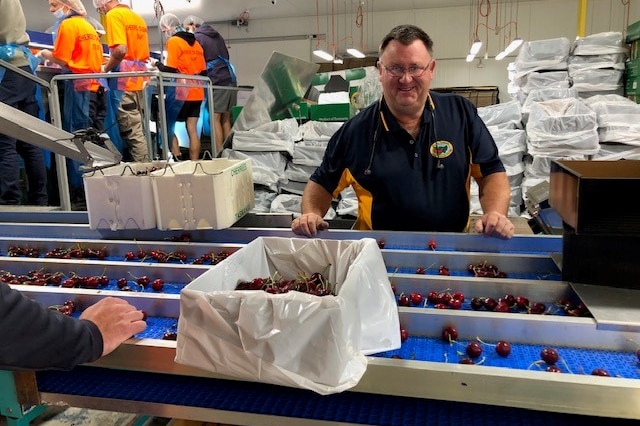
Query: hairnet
{"points": [[101, 3], [168, 22], [192, 20], [75, 5]]}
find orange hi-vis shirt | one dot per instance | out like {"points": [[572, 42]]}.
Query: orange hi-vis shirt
{"points": [[125, 27], [78, 45], [187, 59]]}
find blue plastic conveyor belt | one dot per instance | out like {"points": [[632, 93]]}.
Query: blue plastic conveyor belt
{"points": [[260, 398]]}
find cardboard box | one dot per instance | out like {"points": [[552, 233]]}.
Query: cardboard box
{"points": [[120, 197], [330, 112], [295, 338], [207, 194]]}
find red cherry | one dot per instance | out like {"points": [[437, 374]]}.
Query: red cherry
{"points": [[509, 299], [455, 304], [600, 372], [443, 270], [503, 348], [474, 350], [522, 302], [458, 295], [403, 300], [466, 360], [440, 306], [553, 369], [537, 308], [477, 303], [449, 334], [432, 245], [381, 243], [420, 270], [157, 284], [549, 355], [129, 255], [393, 288], [143, 280], [416, 299], [121, 283], [432, 297], [144, 315], [489, 303], [502, 307], [404, 334]]}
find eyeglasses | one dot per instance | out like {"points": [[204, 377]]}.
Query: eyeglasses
{"points": [[413, 70]]}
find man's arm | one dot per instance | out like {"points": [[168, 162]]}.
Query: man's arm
{"points": [[495, 194], [115, 57], [35, 337], [315, 203]]}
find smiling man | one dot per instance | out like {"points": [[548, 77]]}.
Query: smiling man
{"points": [[410, 156]]}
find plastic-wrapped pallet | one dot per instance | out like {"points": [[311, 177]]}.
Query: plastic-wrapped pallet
{"points": [[267, 167], [298, 172], [503, 116], [291, 203], [618, 118], [613, 61], [541, 95], [599, 80], [562, 127], [348, 203], [545, 80], [512, 145], [599, 44], [272, 136], [536, 55], [617, 151]]}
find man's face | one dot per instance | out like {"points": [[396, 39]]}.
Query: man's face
{"points": [[406, 73]]}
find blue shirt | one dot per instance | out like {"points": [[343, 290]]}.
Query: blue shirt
{"points": [[397, 179]]}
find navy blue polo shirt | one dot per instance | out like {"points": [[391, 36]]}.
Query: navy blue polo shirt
{"points": [[397, 179]]}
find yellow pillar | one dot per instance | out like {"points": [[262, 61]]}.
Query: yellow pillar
{"points": [[582, 17]]}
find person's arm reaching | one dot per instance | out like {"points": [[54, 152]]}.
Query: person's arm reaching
{"points": [[35, 337], [315, 203], [116, 55], [495, 194]]}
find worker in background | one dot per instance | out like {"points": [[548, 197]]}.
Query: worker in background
{"points": [[220, 71], [19, 92], [35, 337], [411, 155], [184, 56], [77, 49], [128, 43]]}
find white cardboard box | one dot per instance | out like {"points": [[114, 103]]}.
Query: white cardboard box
{"points": [[293, 339], [120, 197], [206, 194]]}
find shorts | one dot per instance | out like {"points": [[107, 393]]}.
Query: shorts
{"points": [[223, 100], [189, 109]]}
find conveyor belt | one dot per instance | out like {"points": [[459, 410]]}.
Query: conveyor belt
{"points": [[259, 398]]}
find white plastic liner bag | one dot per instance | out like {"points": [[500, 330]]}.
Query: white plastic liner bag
{"points": [[599, 44], [558, 126], [535, 55], [293, 339], [506, 115], [267, 168], [618, 118]]}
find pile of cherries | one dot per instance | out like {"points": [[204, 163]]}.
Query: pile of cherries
{"points": [[18, 251], [486, 270], [159, 256], [33, 277], [315, 284], [67, 308], [211, 258]]}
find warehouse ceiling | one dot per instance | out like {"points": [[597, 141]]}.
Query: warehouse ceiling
{"points": [[230, 10]]}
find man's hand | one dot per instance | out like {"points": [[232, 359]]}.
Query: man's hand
{"points": [[494, 224], [308, 224], [116, 319]]}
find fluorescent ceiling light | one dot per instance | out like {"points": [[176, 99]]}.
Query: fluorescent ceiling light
{"points": [[470, 57], [355, 53], [515, 43], [500, 56], [322, 54], [475, 47]]}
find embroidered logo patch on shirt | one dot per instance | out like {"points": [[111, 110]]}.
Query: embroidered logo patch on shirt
{"points": [[441, 149]]}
